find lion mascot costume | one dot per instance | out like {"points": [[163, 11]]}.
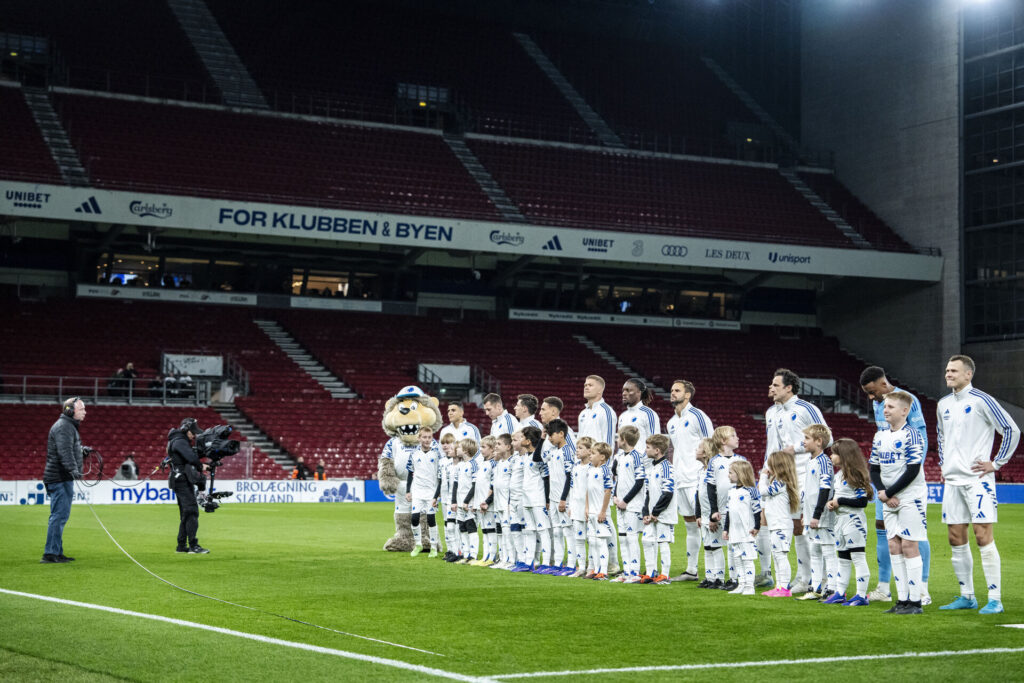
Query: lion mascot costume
{"points": [[404, 414]]}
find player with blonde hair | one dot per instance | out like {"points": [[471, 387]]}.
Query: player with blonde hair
{"points": [[780, 498]]}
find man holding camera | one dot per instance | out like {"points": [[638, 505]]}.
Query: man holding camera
{"points": [[186, 475], [64, 461]]}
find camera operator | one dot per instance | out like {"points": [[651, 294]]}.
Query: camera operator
{"points": [[64, 464], [186, 475]]}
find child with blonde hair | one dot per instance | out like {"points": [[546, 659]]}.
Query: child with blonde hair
{"points": [[462, 499], [819, 520], [780, 498], [705, 451], [742, 524], [853, 491], [724, 442]]}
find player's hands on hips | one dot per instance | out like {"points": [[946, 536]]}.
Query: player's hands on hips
{"points": [[982, 467]]}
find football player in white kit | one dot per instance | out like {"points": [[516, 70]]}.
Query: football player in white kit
{"points": [[785, 422], [968, 421], [686, 428]]}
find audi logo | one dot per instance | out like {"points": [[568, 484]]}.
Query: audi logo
{"points": [[678, 250]]}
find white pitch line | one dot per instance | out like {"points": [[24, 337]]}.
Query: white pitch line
{"points": [[1013, 625], [775, 662], [394, 663]]}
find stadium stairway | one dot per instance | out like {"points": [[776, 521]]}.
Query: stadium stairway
{"points": [[484, 179], [600, 127], [236, 85], [305, 360], [38, 101], [827, 211], [254, 435], [618, 364]]}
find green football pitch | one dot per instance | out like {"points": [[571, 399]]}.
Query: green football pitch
{"points": [[393, 617]]}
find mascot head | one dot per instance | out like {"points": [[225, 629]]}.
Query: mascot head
{"points": [[409, 410]]}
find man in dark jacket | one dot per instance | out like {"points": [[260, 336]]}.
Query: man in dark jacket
{"points": [[186, 475], [63, 465]]}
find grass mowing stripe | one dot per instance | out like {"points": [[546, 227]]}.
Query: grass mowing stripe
{"points": [[235, 604], [776, 662], [394, 663]]}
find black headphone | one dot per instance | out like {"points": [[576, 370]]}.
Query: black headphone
{"points": [[69, 406]]}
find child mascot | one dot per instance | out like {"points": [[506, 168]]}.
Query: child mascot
{"points": [[404, 414]]}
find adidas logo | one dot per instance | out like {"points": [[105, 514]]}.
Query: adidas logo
{"points": [[89, 206], [554, 244]]}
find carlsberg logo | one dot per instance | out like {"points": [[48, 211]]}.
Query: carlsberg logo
{"points": [[150, 210]]}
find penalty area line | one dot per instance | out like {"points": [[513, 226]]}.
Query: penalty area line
{"points": [[774, 662], [383, 661]]}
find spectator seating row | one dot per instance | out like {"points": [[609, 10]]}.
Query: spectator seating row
{"points": [[863, 219], [595, 189], [179, 150], [25, 155], [115, 432], [126, 46]]}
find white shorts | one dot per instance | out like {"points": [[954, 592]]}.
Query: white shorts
{"points": [[559, 519], [517, 513], [463, 515], [630, 522], [686, 501], [537, 519], [402, 505], [597, 529], [502, 517], [820, 536], [743, 549], [909, 521], [851, 530], [424, 506], [579, 529], [712, 539], [973, 503], [780, 539], [660, 533], [485, 519], [449, 514]]}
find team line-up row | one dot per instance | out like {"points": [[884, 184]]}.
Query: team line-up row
{"points": [[546, 492]]}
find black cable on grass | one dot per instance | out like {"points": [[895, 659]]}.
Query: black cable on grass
{"points": [[235, 604]]}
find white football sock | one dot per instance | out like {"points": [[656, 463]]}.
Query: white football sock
{"points": [[963, 567], [803, 559], [816, 565], [692, 547], [991, 565], [914, 565], [899, 572], [828, 553], [860, 564], [783, 572], [666, 557], [843, 575]]}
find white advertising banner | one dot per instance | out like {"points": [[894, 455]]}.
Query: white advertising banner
{"points": [[613, 319], [158, 294], [341, 225], [194, 365], [336, 304], [156, 491]]}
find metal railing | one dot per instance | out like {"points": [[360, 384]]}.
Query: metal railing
{"points": [[101, 390], [845, 393], [484, 380]]}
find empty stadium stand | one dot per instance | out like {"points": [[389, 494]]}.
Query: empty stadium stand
{"points": [[604, 189], [179, 150], [354, 56], [650, 94], [25, 155], [126, 46], [114, 431], [863, 219]]}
